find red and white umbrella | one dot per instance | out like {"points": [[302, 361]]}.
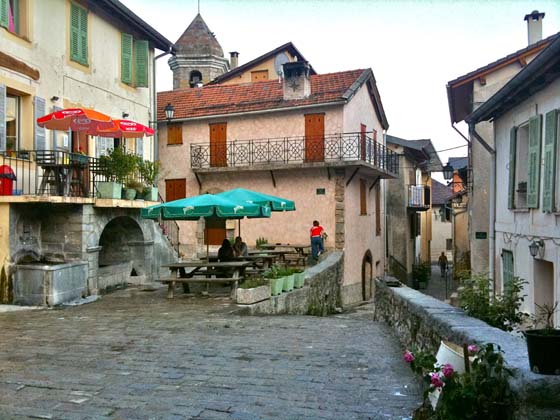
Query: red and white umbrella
{"points": [[128, 129], [77, 119]]}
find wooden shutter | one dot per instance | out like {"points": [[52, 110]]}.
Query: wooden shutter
{"points": [[126, 58], [175, 189], [534, 169], [4, 19], [512, 154], [141, 55], [507, 262], [314, 137], [74, 32], [175, 133], [2, 117], [550, 146], [363, 197], [40, 136], [377, 209], [83, 36], [218, 144], [259, 76]]}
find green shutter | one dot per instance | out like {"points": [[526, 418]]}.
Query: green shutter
{"points": [[512, 153], [2, 117], [74, 32], [4, 20], [83, 36], [141, 55], [126, 58], [549, 181], [534, 170], [507, 261]]}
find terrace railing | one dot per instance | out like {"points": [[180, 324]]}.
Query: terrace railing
{"points": [[419, 197], [342, 147]]}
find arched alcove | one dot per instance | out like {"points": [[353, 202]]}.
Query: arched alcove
{"points": [[367, 275]]}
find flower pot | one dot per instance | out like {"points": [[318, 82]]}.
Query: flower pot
{"points": [[299, 280], [110, 190], [276, 286], [543, 347], [288, 283], [252, 295], [151, 194], [130, 194]]}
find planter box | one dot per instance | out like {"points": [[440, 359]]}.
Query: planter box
{"points": [[253, 295], [543, 348], [151, 194], [276, 286], [299, 280], [78, 158], [130, 194], [288, 283], [109, 190]]}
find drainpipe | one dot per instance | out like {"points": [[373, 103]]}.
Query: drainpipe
{"points": [[154, 101], [492, 203]]}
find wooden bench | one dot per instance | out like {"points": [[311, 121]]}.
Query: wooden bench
{"points": [[170, 281], [298, 260]]}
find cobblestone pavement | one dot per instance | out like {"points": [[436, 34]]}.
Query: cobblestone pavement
{"points": [[137, 355], [436, 285]]}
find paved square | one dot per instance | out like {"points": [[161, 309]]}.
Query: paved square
{"points": [[137, 355]]}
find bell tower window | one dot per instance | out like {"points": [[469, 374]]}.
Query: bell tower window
{"points": [[195, 78]]}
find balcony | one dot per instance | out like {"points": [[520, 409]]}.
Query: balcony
{"points": [[418, 198], [347, 149], [52, 176]]}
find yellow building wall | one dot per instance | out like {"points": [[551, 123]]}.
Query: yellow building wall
{"points": [[245, 77], [4, 249]]}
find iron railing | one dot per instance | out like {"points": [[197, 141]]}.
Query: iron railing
{"points": [[51, 173], [418, 196], [286, 150], [398, 270]]}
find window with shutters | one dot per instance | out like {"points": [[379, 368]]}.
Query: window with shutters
{"points": [[259, 76], [103, 146], [13, 16], [378, 210], [134, 61], [13, 122], [520, 167], [507, 267], [175, 189], [78, 34], [556, 198], [363, 197], [175, 133]]}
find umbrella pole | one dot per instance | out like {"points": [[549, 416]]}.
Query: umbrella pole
{"points": [[207, 244], [239, 227]]}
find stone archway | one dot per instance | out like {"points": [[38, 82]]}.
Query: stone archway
{"points": [[122, 253], [367, 276]]}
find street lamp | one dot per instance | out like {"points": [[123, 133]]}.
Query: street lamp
{"points": [[169, 111], [535, 246], [448, 172]]}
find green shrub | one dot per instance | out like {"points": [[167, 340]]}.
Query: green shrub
{"points": [[261, 241], [500, 311], [254, 282], [422, 272]]}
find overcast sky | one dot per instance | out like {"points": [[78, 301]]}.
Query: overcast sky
{"points": [[413, 47]]}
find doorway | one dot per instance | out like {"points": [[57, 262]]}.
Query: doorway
{"points": [[314, 137], [218, 144], [367, 276], [543, 284]]}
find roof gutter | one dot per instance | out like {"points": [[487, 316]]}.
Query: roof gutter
{"points": [[265, 111]]}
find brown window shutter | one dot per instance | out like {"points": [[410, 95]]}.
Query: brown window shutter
{"points": [[175, 133], [363, 197], [175, 189], [377, 210]]}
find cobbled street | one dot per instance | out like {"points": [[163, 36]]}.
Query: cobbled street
{"points": [[137, 355]]}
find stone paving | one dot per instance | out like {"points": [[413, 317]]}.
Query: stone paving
{"points": [[137, 355]]}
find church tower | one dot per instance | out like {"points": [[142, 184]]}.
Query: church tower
{"points": [[199, 58]]}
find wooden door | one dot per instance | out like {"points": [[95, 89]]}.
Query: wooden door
{"points": [[175, 189], [314, 137], [215, 231], [80, 142], [363, 141], [218, 144]]}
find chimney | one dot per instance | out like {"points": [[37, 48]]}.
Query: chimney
{"points": [[296, 83], [233, 59], [534, 26]]}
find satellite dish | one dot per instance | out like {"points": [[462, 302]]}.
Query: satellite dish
{"points": [[279, 61]]}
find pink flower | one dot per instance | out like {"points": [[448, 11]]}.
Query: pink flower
{"points": [[447, 370], [408, 357], [436, 380], [472, 349]]}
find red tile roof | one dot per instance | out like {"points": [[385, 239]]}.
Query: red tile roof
{"points": [[227, 99]]}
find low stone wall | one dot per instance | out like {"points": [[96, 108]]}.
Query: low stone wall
{"points": [[320, 296], [422, 321]]}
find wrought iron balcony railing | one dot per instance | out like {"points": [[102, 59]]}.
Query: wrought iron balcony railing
{"points": [[51, 173], [419, 197], [286, 150]]}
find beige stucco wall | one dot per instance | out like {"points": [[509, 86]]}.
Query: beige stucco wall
{"points": [[245, 77], [516, 229], [481, 166], [96, 86]]}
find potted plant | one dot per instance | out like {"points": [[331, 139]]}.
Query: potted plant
{"points": [[287, 275], [543, 343], [133, 189], [261, 241], [149, 171], [252, 291], [421, 274], [299, 279], [276, 282], [117, 166]]}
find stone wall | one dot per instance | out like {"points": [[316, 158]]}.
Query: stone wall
{"points": [[320, 296], [422, 321]]}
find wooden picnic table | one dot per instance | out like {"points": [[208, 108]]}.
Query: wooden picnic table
{"points": [[264, 257], [180, 275], [299, 248]]}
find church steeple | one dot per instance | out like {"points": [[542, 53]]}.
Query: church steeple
{"points": [[199, 56]]}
